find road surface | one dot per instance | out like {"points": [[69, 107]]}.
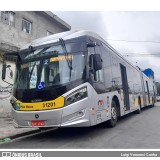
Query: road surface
{"points": [[134, 131]]}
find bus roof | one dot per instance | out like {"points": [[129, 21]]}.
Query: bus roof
{"points": [[74, 34], [65, 35]]}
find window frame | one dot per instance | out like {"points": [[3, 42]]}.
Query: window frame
{"points": [[5, 17], [49, 33], [29, 22]]}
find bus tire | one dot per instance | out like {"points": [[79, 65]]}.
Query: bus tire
{"points": [[114, 115]]}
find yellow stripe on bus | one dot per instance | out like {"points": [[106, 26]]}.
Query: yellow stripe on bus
{"points": [[60, 58], [142, 102], [39, 106], [136, 104]]}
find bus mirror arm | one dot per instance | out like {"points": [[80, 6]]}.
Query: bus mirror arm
{"points": [[91, 44], [91, 70]]}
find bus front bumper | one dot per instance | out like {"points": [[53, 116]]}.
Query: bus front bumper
{"points": [[74, 115]]}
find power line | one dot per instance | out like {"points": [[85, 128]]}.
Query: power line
{"points": [[157, 54], [141, 55], [133, 41]]}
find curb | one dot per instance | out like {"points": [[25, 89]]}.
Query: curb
{"points": [[25, 134], [12, 137]]}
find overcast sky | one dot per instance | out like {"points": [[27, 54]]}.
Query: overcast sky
{"points": [[128, 26]]}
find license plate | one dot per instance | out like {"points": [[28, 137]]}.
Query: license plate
{"points": [[38, 123]]}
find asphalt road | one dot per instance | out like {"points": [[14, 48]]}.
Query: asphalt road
{"points": [[134, 131]]}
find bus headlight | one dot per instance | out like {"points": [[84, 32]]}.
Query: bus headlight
{"points": [[15, 105], [76, 96], [13, 102]]}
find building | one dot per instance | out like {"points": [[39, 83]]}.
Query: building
{"points": [[20, 27]]}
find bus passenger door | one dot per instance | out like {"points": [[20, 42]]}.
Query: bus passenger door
{"points": [[125, 87]]}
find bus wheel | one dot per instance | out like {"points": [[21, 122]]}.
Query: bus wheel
{"points": [[114, 115]]}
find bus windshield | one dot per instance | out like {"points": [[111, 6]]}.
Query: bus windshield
{"points": [[51, 71]]}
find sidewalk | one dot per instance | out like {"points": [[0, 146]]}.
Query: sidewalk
{"points": [[7, 130]]}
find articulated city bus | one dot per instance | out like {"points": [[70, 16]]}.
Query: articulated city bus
{"points": [[75, 79]]}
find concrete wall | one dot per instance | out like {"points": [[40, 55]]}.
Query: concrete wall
{"points": [[12, 38], [5, 108], [41, 23], [9, 77]]}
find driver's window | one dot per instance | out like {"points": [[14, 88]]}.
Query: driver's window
{"points": [[54, 75], [50, 74]]}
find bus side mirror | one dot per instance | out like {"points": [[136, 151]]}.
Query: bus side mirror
{"points": [[4, 71], [97, 62]]}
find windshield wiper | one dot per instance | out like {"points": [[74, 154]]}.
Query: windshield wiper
{"points": [[30, 73], [69, 61]]}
